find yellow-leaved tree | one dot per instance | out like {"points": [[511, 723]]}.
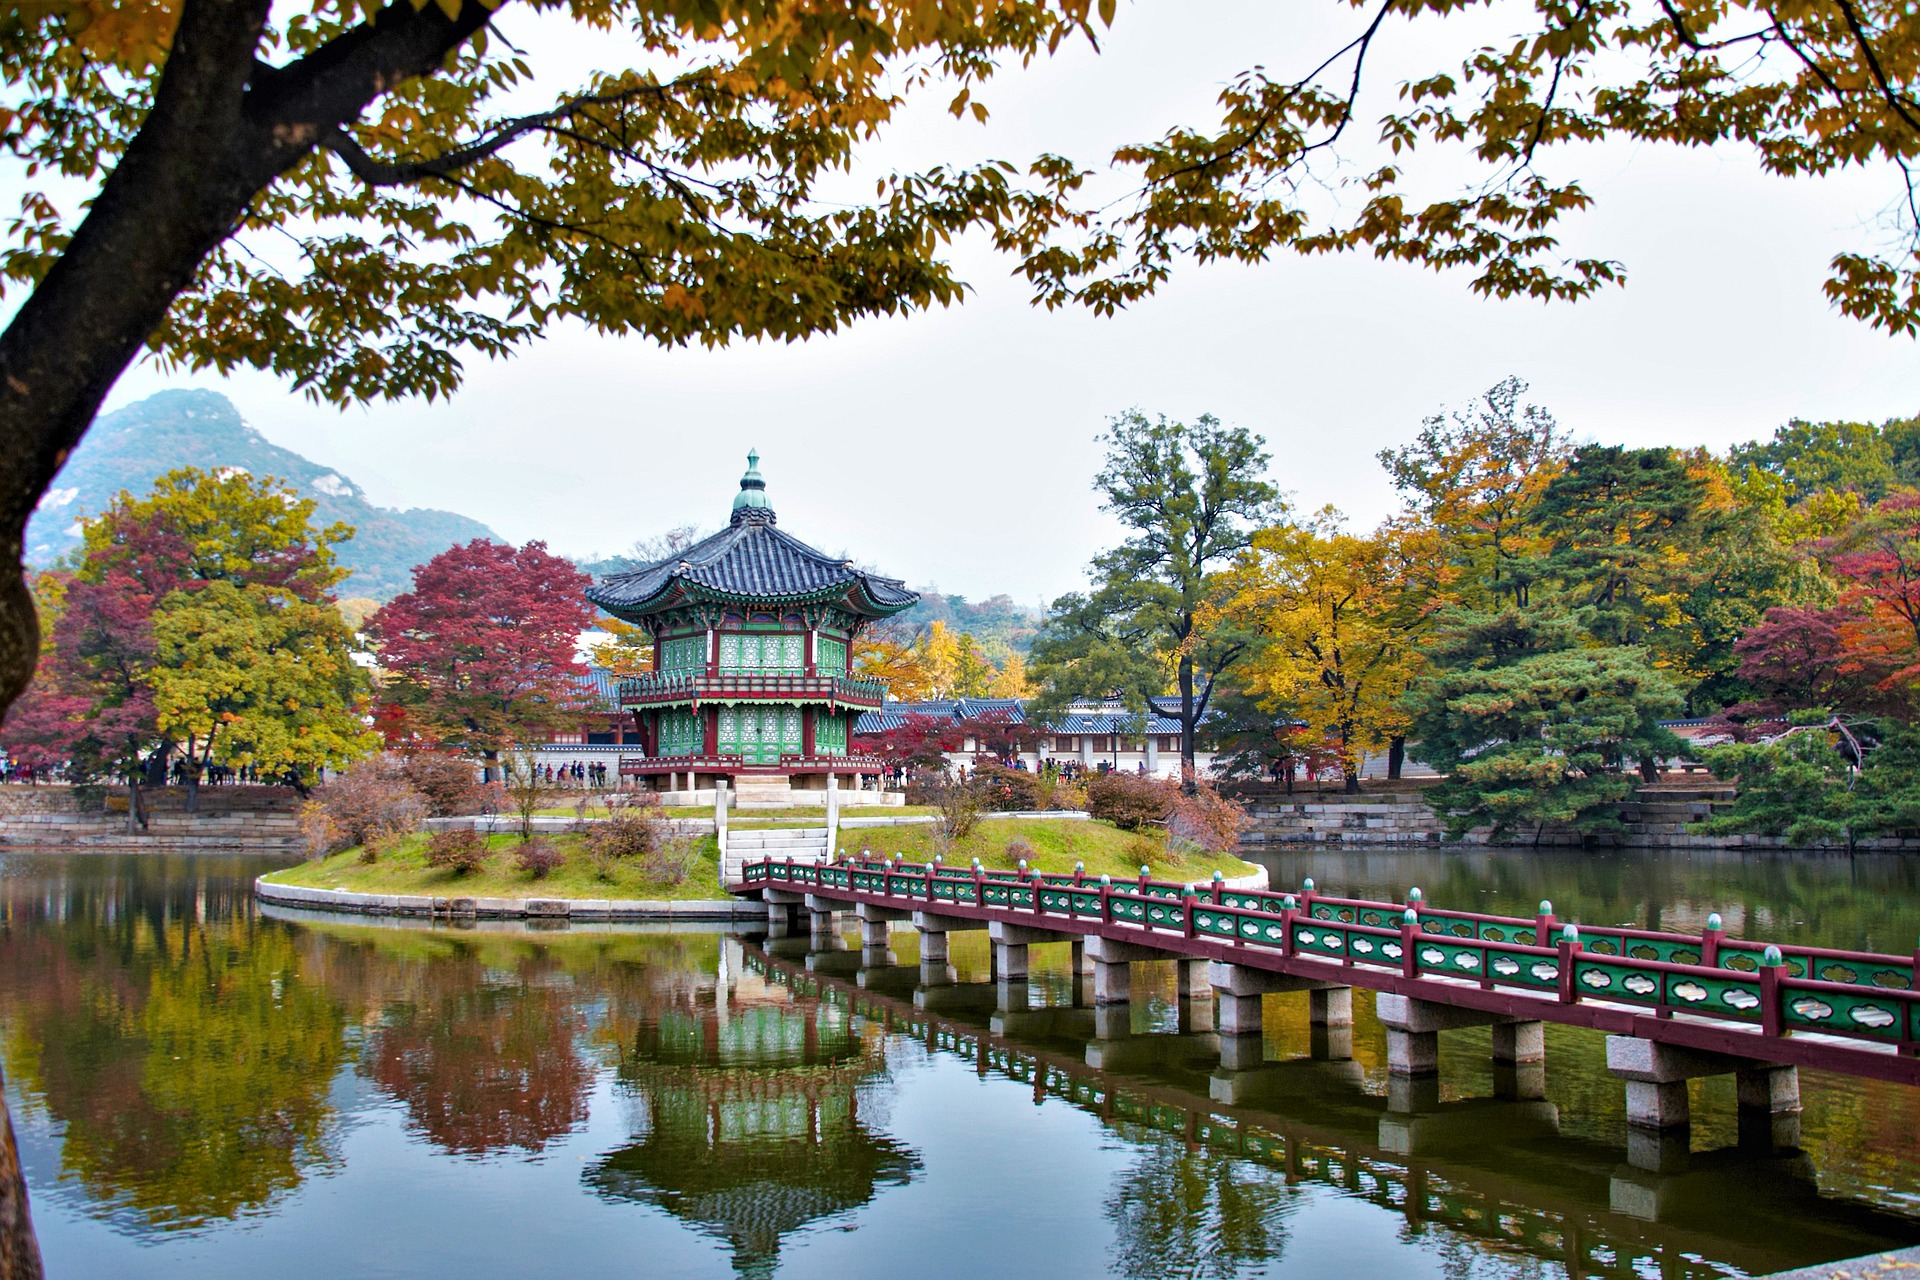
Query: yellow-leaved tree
{"points": [[1340, 616]]}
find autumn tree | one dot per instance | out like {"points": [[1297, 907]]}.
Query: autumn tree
{"points": [[1191, 496], [258, 676], [1011, 680], [1473, 477], [1807, 90], [875, 657], [1340, 615], [480, 654], [236, 539], [1797, 658], [627, 649]]}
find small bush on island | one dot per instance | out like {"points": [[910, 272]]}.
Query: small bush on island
{"points": [[672, 860], [631, 830], [1206, 819], [371, 800], [1005, 790], [1130, 801], [1019, 851], [460, 850], [447, 783], [539, 857]]}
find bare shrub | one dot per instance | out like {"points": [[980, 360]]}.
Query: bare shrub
{"points": [[672, 860], [1130, 801], [449, 784], [1018, 849], [378, 844], [527, 787], [319, 836], [539, 857], [628, 832], [458, 849], [1206, 818], [370, 799]]}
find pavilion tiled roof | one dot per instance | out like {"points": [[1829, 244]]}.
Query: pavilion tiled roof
{"points": [[1109, 716], [751, 559]]}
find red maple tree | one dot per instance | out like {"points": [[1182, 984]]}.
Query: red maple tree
{"points": [[481, 653]]}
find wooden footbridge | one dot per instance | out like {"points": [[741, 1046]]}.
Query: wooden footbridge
{"points": [[1676, 1006]]}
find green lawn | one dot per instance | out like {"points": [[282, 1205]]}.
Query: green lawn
{"points": [[736, 817], [1055, 845], [404, 870]]}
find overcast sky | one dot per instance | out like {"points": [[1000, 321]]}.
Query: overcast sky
{"points": [[955, 448]]}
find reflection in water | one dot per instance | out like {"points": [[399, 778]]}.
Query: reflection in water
{"points": [[484, 1061], [181, 1062], [1183, 1209], [176, 1039], [753, 1126]]}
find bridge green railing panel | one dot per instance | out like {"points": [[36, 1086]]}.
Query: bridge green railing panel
{"points": [[1834, 1008], [1857, 994]]}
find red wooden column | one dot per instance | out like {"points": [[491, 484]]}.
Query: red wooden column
{"points": [[712, 740], [806, 724]]}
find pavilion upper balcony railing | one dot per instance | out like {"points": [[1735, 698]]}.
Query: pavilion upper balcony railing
{"points": [[652, 766], [656, 688]]}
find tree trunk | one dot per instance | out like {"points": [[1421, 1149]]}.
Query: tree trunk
{"points": [[221, 128], [1352, 786], [133, 803], [1188, 772], [19, 1252], [1396, 756], [191, 804]]}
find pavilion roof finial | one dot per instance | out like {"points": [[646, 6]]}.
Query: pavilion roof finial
{"points": [[750, 504]]}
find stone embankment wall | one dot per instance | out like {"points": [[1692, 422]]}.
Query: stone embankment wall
{"points": [[231, 820], [1656, 817]]}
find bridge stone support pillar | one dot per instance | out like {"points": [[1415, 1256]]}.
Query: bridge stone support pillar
{"points": [[1237, 990], [1330, 1007], [1769, 1098], [1009, 961], [1191, 978], [1082, 966], [780, 905], [1658, 1113], [1112, 967], [1414, 1027], [1010, 943]]}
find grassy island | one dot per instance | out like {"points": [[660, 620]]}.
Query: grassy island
{"points": [[999, 843], [403, 869], [1051, 846]]}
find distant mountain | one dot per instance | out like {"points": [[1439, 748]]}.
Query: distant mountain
{"points": [[132, 447], [995, 620]]}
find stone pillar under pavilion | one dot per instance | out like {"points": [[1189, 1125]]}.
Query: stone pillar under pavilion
{"points": [[751, 684]]}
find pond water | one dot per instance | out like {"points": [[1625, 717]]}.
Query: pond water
{"points": [[206, 1087]]}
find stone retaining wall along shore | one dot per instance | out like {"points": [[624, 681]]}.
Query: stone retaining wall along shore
{"points": [[232, 820], [1656, 817], [408, 904]]}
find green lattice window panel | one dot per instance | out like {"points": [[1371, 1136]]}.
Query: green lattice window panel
{"points": [[684, 653], [770, 653], [830, 735], [681, 733], [829, 656]]}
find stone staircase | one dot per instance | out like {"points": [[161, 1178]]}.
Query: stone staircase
{"points": [[1659, 814], [751, 844]]}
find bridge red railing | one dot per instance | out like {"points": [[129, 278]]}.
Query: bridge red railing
{"points": [[1776, 990]]}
